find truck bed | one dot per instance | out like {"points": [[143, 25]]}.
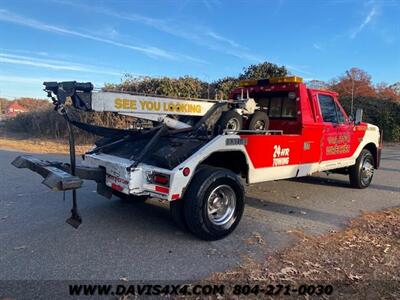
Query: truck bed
{"points": [[168, 152]]}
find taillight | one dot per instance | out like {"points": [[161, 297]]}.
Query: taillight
{"points": [[158, 178], [186, 171], [161, 179]]}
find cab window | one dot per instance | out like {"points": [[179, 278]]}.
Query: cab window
{"points": [[328, 108], [275, 107], [277, 104], [289, 108], [340, 116]]}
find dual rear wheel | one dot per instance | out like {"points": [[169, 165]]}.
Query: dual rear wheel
{"points": [[212, 205]]}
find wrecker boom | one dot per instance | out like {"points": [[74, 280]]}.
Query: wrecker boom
{"points": [[154, 108]]}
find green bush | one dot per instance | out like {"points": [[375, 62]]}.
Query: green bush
{"points": [[47, 123], [396, 134]]}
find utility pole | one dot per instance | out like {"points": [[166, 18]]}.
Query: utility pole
{"points": [[352, 94]]}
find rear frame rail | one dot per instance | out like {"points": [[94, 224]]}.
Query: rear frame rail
{"points": [[56, 174]]}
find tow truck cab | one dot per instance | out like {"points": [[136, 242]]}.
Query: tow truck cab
{"points": [[314, 125]]}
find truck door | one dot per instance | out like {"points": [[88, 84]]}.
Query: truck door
{"points": [[344, 133], [329, 115]]}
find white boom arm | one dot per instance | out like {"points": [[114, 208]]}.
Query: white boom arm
{"points": [[150, 108], [146, 107], [127, 103]]}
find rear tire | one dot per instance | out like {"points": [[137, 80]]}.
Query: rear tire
{"points": [[130, 198], [362, 172], [213, 203], [259, 121], [177, 213], [229, 120]]}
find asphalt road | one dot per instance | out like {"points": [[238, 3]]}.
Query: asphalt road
{"points": [[140, 241]]}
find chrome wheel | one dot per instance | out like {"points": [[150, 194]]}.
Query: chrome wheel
{"points": [[221, 205], [233, 124], [367, 171]]}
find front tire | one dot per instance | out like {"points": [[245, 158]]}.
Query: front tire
{"points": [[362, 172], [213, 203]]}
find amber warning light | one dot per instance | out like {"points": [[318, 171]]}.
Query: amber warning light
{"points": [[272, 80]]}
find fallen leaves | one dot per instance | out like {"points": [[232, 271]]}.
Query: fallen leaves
{"points": [[308, 273], [354, 277], [289, 271], [254, 239], [366, 251]]}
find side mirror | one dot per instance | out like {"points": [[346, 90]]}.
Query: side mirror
{"points": [[358, 117]]}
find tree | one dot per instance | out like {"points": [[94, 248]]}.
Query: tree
{"points": [[354, 83], [263, 70], [185, 86], [396, 87], [33, 104], [385, 92], [222, 87], [3, 105], [188, 86]]}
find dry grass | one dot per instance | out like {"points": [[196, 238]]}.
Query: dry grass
{"points": [[361, 262], [36, 145]]}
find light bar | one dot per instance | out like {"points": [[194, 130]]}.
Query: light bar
{"points": [[290, 79], [273, 80], [248, 82]]}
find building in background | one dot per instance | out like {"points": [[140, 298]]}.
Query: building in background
{"points": [[13, 109]]}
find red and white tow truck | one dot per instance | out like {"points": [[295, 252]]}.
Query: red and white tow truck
{"points": [[204, 151]]}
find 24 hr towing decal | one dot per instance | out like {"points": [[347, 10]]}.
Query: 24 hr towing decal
{"points": [[280, 156]]}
